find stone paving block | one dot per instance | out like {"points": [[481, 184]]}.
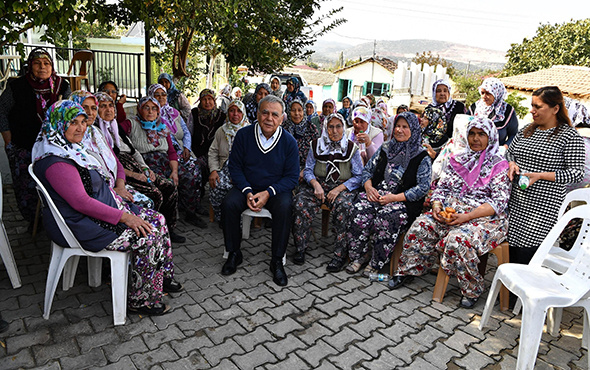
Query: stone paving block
{"points": [[94, 357], [68, 331], [228, 300], [460, 341], [124, 363], [284, 346], [446, 324], [256, 304], [225, 350], [186, 345], [256, 291], [367, 326], [15, 344], [338, 320], [202, 294], [259, 356], [326, 280], [293, 362], [328, 293], [310, 316], [200, 323], [385, 361], [381, 301], [194, 361], [373, 289], [193, 310], [154, 357], [332, 306], [209, 305], [254, 338], [374, 344], [417, 320], [282, 296], [389, 315], [22, 359], [219, 333], [114, 352], [440, 355], [326, 365], [360, 310], [396, 331], [343, 339], [252, 322], [314, 354], [280, 312], [132, 329], [155, 340], [311, 334], [427, 336], [560, 358], [282, 328], [227, 314], [349, 358], [472, 328], [407, 350], [355, 296], [89, 342], [474, 360], [498, 340], [306, 302], [44, 353]]}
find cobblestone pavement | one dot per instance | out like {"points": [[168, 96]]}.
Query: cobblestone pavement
{"points": [[320, 320]]}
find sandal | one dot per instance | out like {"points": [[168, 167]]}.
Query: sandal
{"points": [[369, 270], [171, 286], [335, 264], [156, 310], [353, 267]]}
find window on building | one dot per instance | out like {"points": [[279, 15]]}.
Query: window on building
{"points": [[375, 88]]}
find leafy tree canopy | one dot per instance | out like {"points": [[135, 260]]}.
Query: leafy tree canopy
{"points": [[428, 58], [558, 44]]}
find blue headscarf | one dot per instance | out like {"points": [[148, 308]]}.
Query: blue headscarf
{"points": [[288, 97], [173, 92]]}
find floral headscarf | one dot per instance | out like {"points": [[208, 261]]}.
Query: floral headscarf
{"points": [[230, 129], [363, 113], [46, 91], [296, 93], [325, 145], [154, 129], [448, 103], [455, 145], [400, 153], [437, 126], [168, 114], [110, 129], [297, 129], [478, 168], [173, 92], [334, 110], [371, 100], [252, 104], [79, 96], [497, 110]]}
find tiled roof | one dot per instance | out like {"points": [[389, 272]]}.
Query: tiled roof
{"points": [[388, 64], [572, 80], [313, 76]]}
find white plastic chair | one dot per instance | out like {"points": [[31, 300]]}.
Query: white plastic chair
{"points": [[540, 288], [60, 261], [6, 251], [247, 216]]}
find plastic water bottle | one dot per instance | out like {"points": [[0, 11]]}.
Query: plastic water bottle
{"points": [[379, 277], [146, 172], [523, 182], [362, 145]]}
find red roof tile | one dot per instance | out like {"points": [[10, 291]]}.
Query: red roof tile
{"points": [[572, 80]]}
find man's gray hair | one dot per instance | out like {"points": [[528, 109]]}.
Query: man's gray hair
{"points": [[272, 99]]}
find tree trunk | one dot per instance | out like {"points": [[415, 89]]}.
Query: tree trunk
{"points": [[181, 46]]}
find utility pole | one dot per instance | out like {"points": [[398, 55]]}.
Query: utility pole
{"points": [[373, 64]]}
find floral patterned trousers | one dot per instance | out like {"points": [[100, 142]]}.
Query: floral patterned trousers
{"points": [[459, 247], [25, 192], [306, 205]]}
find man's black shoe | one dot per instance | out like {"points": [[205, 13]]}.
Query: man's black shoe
{"points": [[299, 258], [234, 259], [397, 281], [279, 276]]}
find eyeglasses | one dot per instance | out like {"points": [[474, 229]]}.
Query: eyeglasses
{"points": [[157, 95], [148, 108], [110, 91]]}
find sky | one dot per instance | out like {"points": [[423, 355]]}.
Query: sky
{"points": [[487, 24]]}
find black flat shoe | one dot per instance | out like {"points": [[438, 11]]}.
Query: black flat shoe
{"points": [[171, 286], [3, 326], [176, 238], [195, 220], [299, 258], [468, 302], [234, 259], [155, 310], [336, 264], [397, 281], [279, 276]]}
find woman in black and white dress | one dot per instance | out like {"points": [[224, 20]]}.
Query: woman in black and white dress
{"points": [[550, 153]]}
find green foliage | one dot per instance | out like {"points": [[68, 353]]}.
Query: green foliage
{"points": [[469, 85], [558, 44], [514, 99], [90, 30], [428, 58], [105, 73], [237, 79]]}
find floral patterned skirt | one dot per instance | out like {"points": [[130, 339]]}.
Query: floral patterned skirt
{"points": [[19, 160], [223, 187], [151, 259]]}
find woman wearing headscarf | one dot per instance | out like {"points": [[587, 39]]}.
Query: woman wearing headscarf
{"points": [[332, 174], [476, 190], [236, 93], [434, 130], [293, 92], [492, 106], [176, 98], [328, 108], [22, 110], [302, 130], [455, 145], [98, 218], [181, 136], [111, 88], [550, 154], [219, 179], [251, 101], [395, 180], [311, 111], [275, 86], [346, 109], [223, 99], [441, 99], [367, 137], [152, 138], [160, 190]]}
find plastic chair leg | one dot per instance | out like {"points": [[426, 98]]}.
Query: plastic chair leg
{"points": [[554, 315], [8, 258], [58, 260], [440, 287], [94, 271], [119, 282], [246, 222], [69, 270], [533, 319], [492, 295]]}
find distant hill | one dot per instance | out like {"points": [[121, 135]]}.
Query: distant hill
{"points": [[404, 50]]}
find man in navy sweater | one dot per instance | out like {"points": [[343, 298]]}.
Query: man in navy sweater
{"points": [[264, 167]]}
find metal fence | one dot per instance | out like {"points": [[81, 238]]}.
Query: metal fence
{"points": [[122, 67]]}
